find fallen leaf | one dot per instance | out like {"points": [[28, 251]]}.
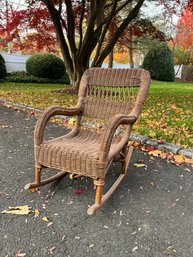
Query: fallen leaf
{"points": [[71, 121], [149, 148], [74, 176], [4, 126], [18, 210], [20, 254], [139, 165], [187, 160], [45, 219], [155, 153], [153, 184], [135, 248], [36, 213], [49, 224], [179, 158], [52, 249], [78, 191], [163, 155]]}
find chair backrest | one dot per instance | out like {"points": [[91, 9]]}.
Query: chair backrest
{"points": [[112, 91]]}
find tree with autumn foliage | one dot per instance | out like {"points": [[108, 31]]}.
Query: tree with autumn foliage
{"points": [[29, 30], [182, 43], [82, 26], [184, 35], [135, 33]]}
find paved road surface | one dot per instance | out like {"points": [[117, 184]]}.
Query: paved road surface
{"points": [[150, 215]]}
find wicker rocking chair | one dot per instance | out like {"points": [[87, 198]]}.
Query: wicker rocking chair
{"points": [[111, 99]]}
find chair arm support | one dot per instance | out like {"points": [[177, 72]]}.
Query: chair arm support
{"points": [[46, 115], [106, 139]]}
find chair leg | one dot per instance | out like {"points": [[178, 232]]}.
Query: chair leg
{"points": [[100, 200], [98, 197], [38, 182]]}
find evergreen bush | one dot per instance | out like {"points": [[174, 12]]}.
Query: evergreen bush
{"points": [[45, 66], [3, 70], [159, 62], [24, 77]]}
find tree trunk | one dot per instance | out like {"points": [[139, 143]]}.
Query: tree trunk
{"points": [[110, 63], [75, 77], [131, 50], [131, 55]]}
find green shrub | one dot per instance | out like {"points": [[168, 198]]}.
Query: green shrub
{"points": [[3, 70], [45, 66], [24, 77], [159, 61]]}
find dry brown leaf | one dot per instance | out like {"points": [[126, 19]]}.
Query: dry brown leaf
{"points": [[18, 210]]}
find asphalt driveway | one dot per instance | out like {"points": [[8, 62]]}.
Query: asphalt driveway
{"points": [[150, 215]]}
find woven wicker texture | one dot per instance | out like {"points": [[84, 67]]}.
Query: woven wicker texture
{"points": [[109, 97]]}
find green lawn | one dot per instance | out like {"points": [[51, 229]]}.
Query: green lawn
{"points": [[167, 112]]}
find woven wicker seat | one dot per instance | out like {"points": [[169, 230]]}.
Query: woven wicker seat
{"points": [[109, 103]]}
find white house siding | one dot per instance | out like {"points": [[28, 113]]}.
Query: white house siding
{"points": [[15, 62]]}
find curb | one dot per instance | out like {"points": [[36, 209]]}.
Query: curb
{"points": [[145, 140]]}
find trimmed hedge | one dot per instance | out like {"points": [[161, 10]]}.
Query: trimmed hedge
{"points": [[3, 70], [23, 77], [45, 66], [159, 62]]}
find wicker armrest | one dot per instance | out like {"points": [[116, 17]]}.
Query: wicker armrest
{"points": [[46, 115], [106, 139]]}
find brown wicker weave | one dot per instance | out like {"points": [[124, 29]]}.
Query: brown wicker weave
{"points": [[111, 99]]}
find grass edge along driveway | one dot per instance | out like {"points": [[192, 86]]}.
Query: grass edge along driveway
{"points": [[167, 113]]}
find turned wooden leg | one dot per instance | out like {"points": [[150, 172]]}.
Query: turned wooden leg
{"points": [[37, 175], [38, 182], [98, 185], [98, 197]]}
